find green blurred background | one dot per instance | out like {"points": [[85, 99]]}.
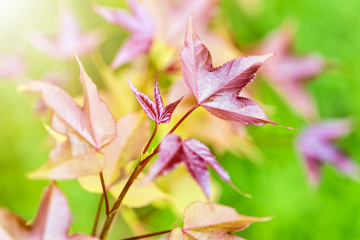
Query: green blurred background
{"points": [[278, 185]]}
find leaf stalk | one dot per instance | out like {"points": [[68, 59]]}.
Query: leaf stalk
{"points": [[139, 167]]}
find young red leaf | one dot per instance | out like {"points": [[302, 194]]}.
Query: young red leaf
{"points": [[70, 39], [217, 89], [157, 97], [317, 147], [195, 155], [154, 110], [212, 221], [139, 24], [93, 122], [53, 220]]}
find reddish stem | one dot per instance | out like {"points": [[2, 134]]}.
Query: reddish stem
{"points": [[151, 139], [104, 193], [147, 235], [97, 217], [183, 118], [139, 167]]}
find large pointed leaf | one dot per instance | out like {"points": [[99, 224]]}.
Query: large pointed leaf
{"points": [[212, 221], [93, 122], [195, 155], [52, 221], [217, 89]]}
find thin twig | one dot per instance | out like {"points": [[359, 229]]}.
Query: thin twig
{"points": [[97, 216], [104, 193], [151, 139], [139, 167], [147, 235]]}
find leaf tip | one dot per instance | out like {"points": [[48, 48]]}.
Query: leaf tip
{"points": [[267, 56]]}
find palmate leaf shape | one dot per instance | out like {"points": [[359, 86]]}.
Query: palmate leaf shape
{"points": [[68, 40], [225, 135], [155, 110], [138, 23], [88, 128], [217, 89], [194, 154], [52, 221], [211, 221], [317, 148]]}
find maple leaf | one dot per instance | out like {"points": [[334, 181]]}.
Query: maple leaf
{"points": [[317, 148], [60, 78], [139, 24], [195, 156], [155, 110], [211, 221], [217, 89], [88, 128], [69, 39], [52, 221], [224, 135], [12, 66], [288, 73]]}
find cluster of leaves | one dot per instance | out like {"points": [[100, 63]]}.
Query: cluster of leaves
{"points": [[98, 151]]}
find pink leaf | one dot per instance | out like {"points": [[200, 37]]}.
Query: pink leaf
{"points": [[101, 121], [171, 17], [157, 97], [93, 122], [317, 148], [155, 110], [204, 152], [53, 220], [69, 40], [212, 221], [288, 73], [145, 102], [217, 89], [168, 111], [168, 157], [195, 156], [138, 23], [54, 217], [12, 66]]}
